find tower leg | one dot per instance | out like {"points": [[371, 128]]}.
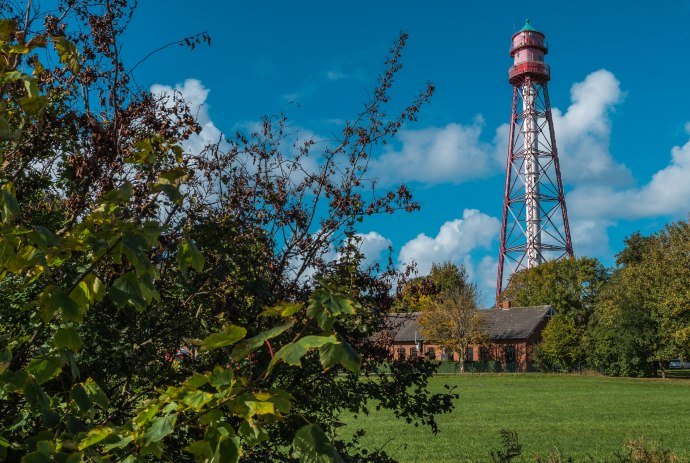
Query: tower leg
{"points": [[506, 196], [533, 228]]}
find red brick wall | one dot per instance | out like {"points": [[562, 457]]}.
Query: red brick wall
{"points": [[497, 352], [524, 350]]}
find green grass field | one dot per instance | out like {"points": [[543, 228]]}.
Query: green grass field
{"points": [[581, 415]]}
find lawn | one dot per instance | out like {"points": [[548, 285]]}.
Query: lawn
{"points": [[581, 415]]}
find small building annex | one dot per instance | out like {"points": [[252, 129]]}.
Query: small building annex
{"points": [[513, 333]]}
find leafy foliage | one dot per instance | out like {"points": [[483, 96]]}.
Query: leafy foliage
{"points": [[154, 303], [452, 319], [643, 320], [560, 347], [571, 286]]}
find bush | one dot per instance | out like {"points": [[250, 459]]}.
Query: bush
{"points": [[634, 451]]}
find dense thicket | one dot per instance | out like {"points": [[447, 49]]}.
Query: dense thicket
{"points": [[628, 321], [157, 302]]}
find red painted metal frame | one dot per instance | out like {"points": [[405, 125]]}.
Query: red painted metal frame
{"points": [[561, 244], [506, 195]]}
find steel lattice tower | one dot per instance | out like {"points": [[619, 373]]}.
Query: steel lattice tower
{"points": [[535, 220]]}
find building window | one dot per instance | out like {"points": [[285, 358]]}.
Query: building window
{"points": [[401, 353], [413, 353], [483, 354], [469, 355], [510, 355]]}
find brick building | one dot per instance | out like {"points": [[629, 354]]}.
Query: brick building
{"points": [[513, 334]]}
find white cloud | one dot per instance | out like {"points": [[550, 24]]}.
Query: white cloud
{"points": [[583, 132], [455, 153], [455, 241], [666, 194], [450, 154], [486, 272], [371, 245], [194, 94], [590, 236]]}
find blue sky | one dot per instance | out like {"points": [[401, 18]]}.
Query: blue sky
{"points": [[620, 73]]}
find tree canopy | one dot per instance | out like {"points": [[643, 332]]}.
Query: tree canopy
{"points": [[451, 317]]}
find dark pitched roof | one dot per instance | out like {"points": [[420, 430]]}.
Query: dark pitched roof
{"points": [[513, 323], [516, 322]]}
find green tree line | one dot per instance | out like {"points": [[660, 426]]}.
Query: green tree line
{"points": [[630, 320]]}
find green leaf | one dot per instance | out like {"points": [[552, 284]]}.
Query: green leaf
{"points": [[227, 444], [94, 436], [169, 182], [197, 399], [6, 132], [342, 353], [143, 152], [196, 380], [134, 248], [171, 191], [221, 376], [44, 368], [283, 309], [188, 256], [35, 397], [67, 52], [7, 28], [68, 338], [118, 196], [86, 394], [115, 441], [9, 206], [250, 345], [201, 449], [292, 353], [325, 305], [81, 398], [36, 457], [89, 290], [55, 300], [228, 450], [311, 445], [5, 359], [159, 428], [32, 103], [96, 394], [230, 335], [128, 290], [44, 237]]}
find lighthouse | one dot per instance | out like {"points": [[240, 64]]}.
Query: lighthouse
{"points": [[535, 219]]}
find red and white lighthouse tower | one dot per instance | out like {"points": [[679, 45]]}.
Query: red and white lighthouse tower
{"points": [[535, 221]]}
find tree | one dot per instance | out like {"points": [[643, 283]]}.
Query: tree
{"points": [[571, 286], [633, 252], [420, 291], [622, 333], [121, 250], [452, 319], [643, 320], [559, 348]]}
